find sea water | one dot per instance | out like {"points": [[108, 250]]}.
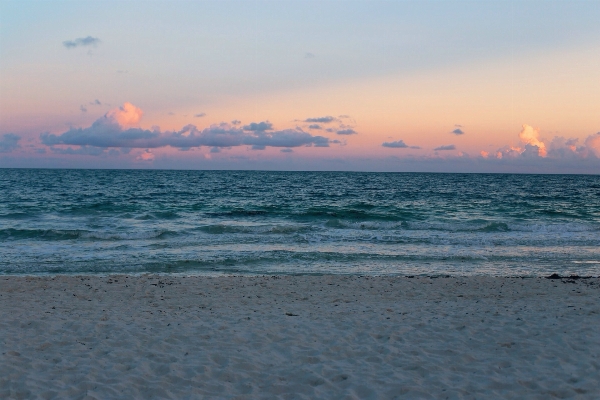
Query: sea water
{"points": [[254, 222]]}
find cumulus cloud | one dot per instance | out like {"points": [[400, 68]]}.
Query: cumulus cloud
{"points": [[448, 147], [398, 144], [113, 131], [200, 115], [593, 144], [458, 131], [81, 42], [530, 136], [9, 142], [322, 120], [558, 148], [346, 132]]}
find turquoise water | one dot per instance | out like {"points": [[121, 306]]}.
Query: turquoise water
{"points": [[246, 222]]}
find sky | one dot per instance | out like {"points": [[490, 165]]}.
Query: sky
{"points": [[430, 86]]}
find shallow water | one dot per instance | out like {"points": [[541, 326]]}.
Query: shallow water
{"points": [[107, 221]]}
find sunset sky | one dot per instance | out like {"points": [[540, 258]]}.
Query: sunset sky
{"points": [[448, 86]]}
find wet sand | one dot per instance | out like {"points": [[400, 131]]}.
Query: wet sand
{"points": [[292, 337]]}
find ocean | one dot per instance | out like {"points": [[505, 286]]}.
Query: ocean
{"points": [[256, 222]]}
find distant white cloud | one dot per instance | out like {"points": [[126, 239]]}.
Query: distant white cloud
{"points": [[81, 42]]}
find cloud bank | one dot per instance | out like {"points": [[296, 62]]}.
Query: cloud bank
{"points": [[118, 129]]}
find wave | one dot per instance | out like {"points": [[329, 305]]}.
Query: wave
{"points": [[217, 229], [42, 234], [58, 234]]}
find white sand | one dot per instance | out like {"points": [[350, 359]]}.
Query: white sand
{"points": [[230, 337]]}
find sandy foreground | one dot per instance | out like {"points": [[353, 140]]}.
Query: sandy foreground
{"points": [[154, 336]]}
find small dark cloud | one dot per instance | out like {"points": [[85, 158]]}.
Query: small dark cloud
{"points": [[200, 115], [314, 126], [398, 144], [322, 120], [259, 127], [458, 131], [287, 150], [95, 103], [80, 42], [346, 132], [82, 108], [448, 147], [259, 147], [344, 116], [171, 113], [9, 142], [236, 122], [330, 130], [215, 150], [309, 55], [458, 126]]}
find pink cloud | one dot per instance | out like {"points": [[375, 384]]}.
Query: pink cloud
{"points": [[593, 143], [146, 156], [126, 115], [530, 135]]}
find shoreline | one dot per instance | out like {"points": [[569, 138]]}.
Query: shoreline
{"points": [[298, 336]]}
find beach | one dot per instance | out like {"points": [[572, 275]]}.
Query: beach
{"points": [[331, 336]]}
